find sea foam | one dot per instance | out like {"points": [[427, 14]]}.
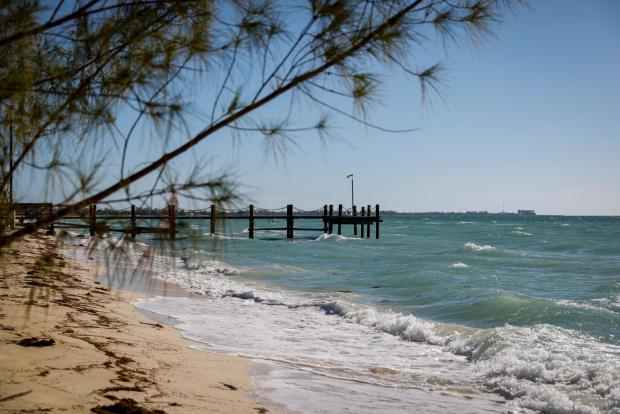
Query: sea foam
{"points": [[538, 368], [541, 368], [479, 247], [546, 368]]}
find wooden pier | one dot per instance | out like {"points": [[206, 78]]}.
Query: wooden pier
{"points": [[95, 220]]}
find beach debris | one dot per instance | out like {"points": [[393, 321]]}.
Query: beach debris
{"points": [[13, 396], [124, 406], [155, 325], [36, 342], [229, 386]]}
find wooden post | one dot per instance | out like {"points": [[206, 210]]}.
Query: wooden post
{"points": [[133, 221], [212, 220], [368, 225], [362, 224], [339, 217], [289, 221], [325, 218], [251, 227], [172, 218], [331, 223], [93, 218], [354, 224], [11, 217], [377, 222], [50, 228]]}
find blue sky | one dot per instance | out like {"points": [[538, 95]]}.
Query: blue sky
{"points": [[531, 121]]}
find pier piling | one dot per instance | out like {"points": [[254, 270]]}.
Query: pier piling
{"points": [[331, 222], [368, 225], [325, 218], [172, 213], [133, 222], [339, 216], [93, 218], [377, 222], [289, 221], [212, 220], [363, 213], [251, 224]]}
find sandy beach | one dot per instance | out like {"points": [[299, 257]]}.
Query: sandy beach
{"points": [[69, 343]]}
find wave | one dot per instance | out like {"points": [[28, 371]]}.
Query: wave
{"points": [[222, 236], [601, 305], [479, 247], [523, 233], [541, 367], [548, 369], [406, 327], [335, 237], [458, 265]]}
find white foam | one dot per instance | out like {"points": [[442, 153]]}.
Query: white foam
{"points": [[546, 368], [333, 349], [407, 327], [479, 247], [458, 265], [335, 237], [597, 305], [523, 233], [222, 236], [540, 368], [308, 353]]}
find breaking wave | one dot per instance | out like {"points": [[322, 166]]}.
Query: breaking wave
{"points": [[540, 368], [479, 247]]}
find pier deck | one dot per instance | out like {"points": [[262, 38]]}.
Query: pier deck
{"points": [[95, 220]]}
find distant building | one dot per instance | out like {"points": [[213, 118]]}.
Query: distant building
{"points": [[526, 213]]}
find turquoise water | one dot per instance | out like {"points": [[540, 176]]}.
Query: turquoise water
{"points": [[479, 271], [522, 308]]}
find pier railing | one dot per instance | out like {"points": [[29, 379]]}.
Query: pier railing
{"points": [[93, 218]]}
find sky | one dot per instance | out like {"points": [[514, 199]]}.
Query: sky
{"points": [[530, 120]]}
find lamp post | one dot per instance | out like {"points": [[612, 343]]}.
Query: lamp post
{"points": [[352, 199]]}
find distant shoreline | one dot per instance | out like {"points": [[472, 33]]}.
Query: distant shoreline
{"points": [[483, 214]]}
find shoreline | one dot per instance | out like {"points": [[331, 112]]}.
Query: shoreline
{"points": [[94, 350]]}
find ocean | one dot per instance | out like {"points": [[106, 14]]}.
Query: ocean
{"points": [[445, 313]]}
